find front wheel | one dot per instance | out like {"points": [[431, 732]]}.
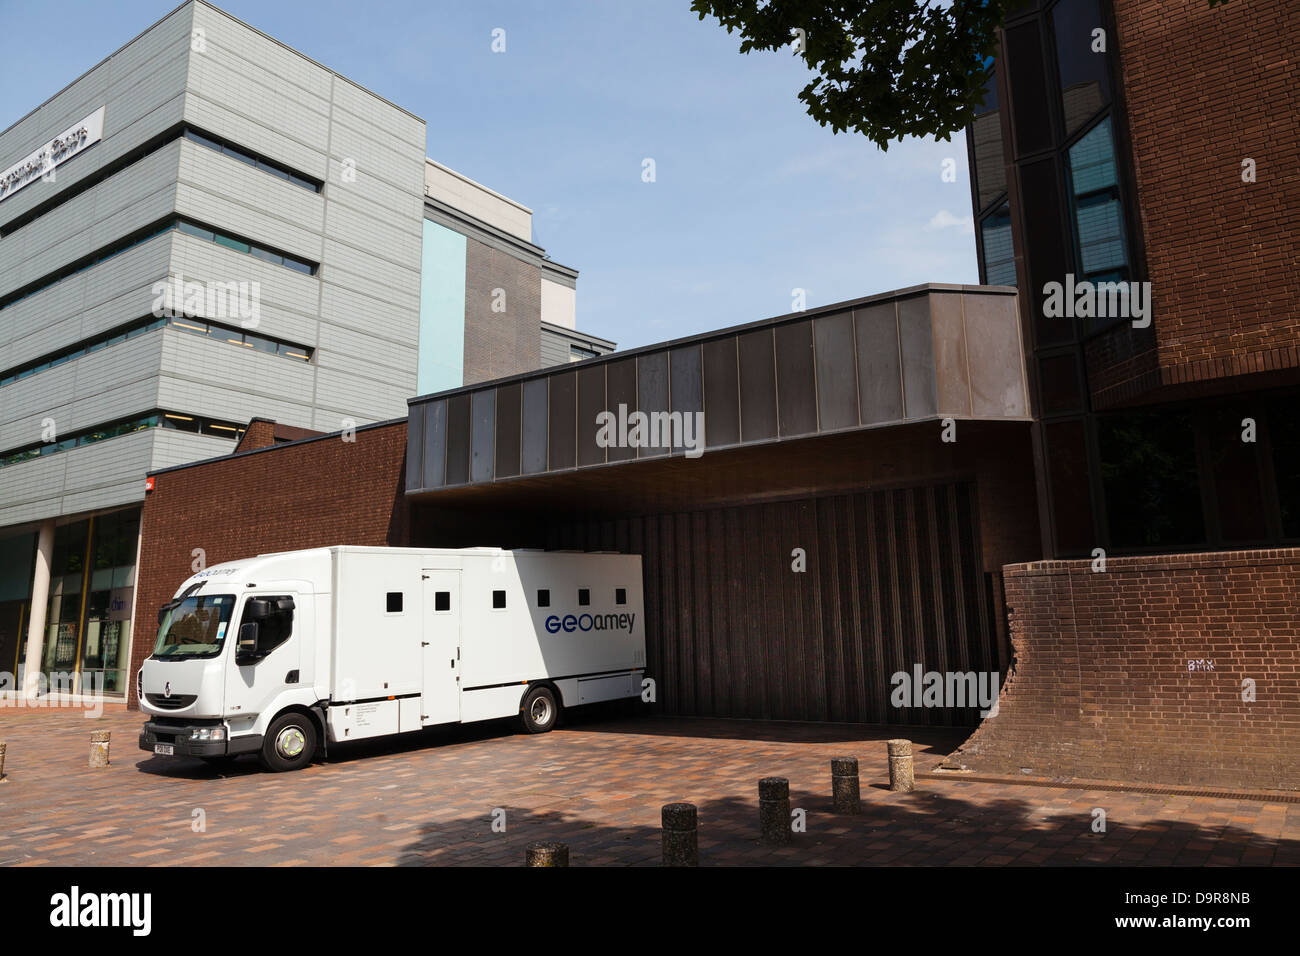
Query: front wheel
{"points": [[539, 711], [290, 743]]}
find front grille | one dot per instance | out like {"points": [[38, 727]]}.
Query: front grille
{"points": [[174, 702]]}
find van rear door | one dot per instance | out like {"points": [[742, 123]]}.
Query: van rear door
{"points": [[441, 646]]}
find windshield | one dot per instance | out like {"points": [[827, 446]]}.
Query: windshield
{"points": [[195, 627]]}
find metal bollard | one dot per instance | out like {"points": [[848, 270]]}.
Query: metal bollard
{"points": [[901, 777], [545, 853], [99, 749], [774, 810], [680, 840], [844, 785], [3, 745]]}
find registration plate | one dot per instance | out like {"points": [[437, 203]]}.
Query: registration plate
{"points": [[167, 750]]}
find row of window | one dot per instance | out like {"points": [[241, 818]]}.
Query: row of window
{"points": [[264, 253], [130, 242], [148, 148], [135, 329], [1089, 166], [89, 436], [442, 599], [252, 159]]}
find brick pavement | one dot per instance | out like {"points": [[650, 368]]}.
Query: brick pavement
{"points": [[597, 785]]}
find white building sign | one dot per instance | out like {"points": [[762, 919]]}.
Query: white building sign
{"points": [[58, 150]]}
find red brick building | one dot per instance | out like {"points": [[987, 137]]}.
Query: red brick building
{"points": [[883, 478]]}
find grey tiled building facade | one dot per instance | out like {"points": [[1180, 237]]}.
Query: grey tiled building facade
{"points": [[215, 228]]}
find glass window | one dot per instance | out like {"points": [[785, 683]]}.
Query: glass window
{"points": [[584, 597], [543, 597], [298, 265], [393, 602], [195, 627], [305, 184], [1149, 471], [230, 243], [1098, 216], [999, 255], [986, 146], [239, 155], [189, 229], [266, 255], [1284, 436], [442, 600], [202, 140], [1083, 74], [498, 600], [620, 595], [1235, 466]]}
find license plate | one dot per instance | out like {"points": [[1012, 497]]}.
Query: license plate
{"points": [[167, 750]]}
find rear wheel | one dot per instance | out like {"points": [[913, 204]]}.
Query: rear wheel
{"points": [[539, 711], [289, 744]]}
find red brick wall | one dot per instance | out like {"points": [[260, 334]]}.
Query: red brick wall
{"points": [[1206, 88], [1101, 686], [315, 493]]}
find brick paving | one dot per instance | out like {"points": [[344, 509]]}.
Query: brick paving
{"points": [[596, 785]]}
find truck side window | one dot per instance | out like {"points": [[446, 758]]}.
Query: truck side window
{"points": [[543, 597], [498, 600], [274, 629], [584, 597], [442, 600], [620, 595], [393, 604]]}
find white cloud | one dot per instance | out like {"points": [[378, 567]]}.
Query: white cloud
{"points": [[943, 219]]}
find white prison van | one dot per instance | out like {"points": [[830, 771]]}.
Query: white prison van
{"points": [[283, 654]]}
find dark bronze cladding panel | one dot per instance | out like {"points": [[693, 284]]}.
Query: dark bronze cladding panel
{"points": [[415, 448], [893, 580], [591, 402], [535, 425], [652, 391], [458, 439], [837, 380], [757, 386], [508, 430], [796, 388], [483, 420], [563, 421], [686, 386], [721, 393], [435, 444], [916, 343], [621, 390], [880, 375]]}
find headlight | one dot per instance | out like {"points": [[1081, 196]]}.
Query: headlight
{"points": [[208, 733]]}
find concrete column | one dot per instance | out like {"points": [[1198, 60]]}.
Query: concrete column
{"points": [[40, 604]]}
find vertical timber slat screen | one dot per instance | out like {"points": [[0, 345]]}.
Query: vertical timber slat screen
{"points": [[893, 580]]}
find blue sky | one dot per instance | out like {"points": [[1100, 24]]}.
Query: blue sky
{"points": [[752, 198]]}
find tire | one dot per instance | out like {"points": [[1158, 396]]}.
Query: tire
{"points": [[290, 743], [539, 710]]}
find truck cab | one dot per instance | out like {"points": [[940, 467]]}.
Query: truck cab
{"points": [[233, 654]]}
